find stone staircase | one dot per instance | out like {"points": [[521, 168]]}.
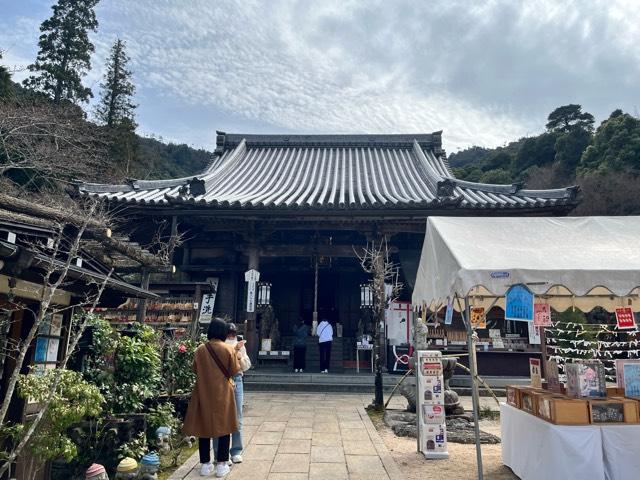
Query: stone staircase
{"points": [[276, 379]]}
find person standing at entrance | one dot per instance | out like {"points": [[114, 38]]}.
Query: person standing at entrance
{"points": [[325, 337], [212, 409], [300, 332]]}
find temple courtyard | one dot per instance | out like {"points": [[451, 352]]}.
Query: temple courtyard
{"points": [[323, 436]]}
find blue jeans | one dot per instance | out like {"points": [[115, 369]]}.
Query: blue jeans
{"points": [[236, 437]]}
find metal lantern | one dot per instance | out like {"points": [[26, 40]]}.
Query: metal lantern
{"points": [[264, 293], [366, 295]]}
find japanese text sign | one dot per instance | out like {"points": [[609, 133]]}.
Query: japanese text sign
{"points": [[478, 320], [624, 317], [519, 301], [541, 315], [251, 277]]}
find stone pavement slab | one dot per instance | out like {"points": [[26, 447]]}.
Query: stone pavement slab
{"points": [[321, 436]]}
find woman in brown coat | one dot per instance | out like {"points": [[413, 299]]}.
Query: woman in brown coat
{"points": [[212, 408]]}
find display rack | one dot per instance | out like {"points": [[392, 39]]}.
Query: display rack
{"points": [[177, 312]]}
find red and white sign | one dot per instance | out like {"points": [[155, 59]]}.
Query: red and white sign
{"points": [[541, 315], [624, 317]]}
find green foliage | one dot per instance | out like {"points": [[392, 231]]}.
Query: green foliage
{"points": [[155, 159], [616, 146], [116, 105], [6, 85], [471, 155], [137, 370], [134, 448], [496, 176], [177, 368], [535, 152], [164, 416], [569, 148], [126, 369], [568, 117], [65, 51], [71, 400]]}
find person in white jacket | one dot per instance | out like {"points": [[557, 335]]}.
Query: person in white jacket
{"points": [[325, 338], [245, 364]]}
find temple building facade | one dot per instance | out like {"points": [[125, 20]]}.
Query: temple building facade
{"points": [[296, 209]]}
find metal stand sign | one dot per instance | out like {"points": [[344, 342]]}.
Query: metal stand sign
{"points": [[432, 428]]}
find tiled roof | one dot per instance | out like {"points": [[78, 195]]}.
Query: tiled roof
{"points": [[320, 172]]}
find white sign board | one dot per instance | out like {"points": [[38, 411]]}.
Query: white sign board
{"points": [[209, 302], [251, 277], [399, 321]]}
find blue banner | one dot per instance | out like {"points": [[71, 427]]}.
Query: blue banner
{"points": [[519, 300], [448, 315]]}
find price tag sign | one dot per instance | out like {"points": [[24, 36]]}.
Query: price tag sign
{"points": [[624, 318], [541, 315]]}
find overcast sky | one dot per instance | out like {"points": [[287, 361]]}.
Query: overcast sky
{"points": [[485, 73]]}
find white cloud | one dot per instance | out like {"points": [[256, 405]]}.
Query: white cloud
{"points": [[484, 73]]}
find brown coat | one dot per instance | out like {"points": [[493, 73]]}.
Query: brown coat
{"points": [[212, 408]]}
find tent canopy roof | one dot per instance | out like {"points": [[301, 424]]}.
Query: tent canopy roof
{"points": [[564, 257]]}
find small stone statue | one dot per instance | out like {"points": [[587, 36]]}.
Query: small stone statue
{"points": [[451, 400], [96, 472], [163, 434], [127, 469], [149, 466]]}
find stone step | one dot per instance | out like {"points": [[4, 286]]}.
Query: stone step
{"points": [[276, 380]]}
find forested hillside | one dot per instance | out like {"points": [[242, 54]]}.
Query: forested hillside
{"points": [[603, 161]]}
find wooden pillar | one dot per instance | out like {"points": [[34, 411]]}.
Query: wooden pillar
{"points": [[252, 333], [142, 303]]}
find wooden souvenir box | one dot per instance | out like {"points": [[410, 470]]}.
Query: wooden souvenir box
{"points": [[615, 392], [513, 395], [529, 400], [561, 410], [613, 410]]}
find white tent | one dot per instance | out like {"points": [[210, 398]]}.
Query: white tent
{"points": [[570, 261]]}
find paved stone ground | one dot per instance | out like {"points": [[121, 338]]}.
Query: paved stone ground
{"points": [[308, 436]]}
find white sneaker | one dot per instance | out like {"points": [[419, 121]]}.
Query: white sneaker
{"points": [[206, 469], [295, 370], [236, 458], [300, 370], [222, 470]]}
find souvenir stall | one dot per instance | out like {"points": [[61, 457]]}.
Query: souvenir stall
{"points": [[528, 266]]}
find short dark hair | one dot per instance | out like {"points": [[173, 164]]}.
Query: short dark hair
{"points": [[232, 328], [218, 329]]}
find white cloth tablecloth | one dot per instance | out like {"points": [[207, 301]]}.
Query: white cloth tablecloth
{"points": [[621, 446], [538, 450]]}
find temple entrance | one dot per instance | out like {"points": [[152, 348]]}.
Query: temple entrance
{"points": [[293, 295]]}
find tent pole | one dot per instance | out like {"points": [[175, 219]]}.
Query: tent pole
{"points": [[473, 366]]}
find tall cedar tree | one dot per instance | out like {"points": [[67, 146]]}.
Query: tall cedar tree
{"points": [[116, 104], [65, 52]]}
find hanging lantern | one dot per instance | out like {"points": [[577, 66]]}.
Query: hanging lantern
{"points": [[264, 293], [366, 295]]}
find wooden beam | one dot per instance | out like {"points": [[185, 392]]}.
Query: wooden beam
{"points": [[308, 250]]}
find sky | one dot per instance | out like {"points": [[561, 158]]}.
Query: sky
{"points": [[485, 73]]}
